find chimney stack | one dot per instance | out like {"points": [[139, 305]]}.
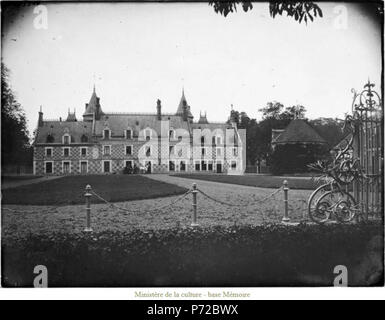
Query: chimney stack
{"points": [[40, 122], [159, 109]]}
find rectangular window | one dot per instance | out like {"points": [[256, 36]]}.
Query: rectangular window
{"points": [[172, 150], [219, 140], [66, 167], [128, 134], [182, 166], [106, 134], [48, 152], [219, 152], [233, 165], [197, 166], [204, 166], [148, 151], [128, 150], [49, 167], [83, 167], [83, 152], [66, 152], [211, 166], [172, 166], [107, 150], [203, 151], [235, 152]]}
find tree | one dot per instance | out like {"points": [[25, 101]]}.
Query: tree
{"points": [[295, 158], [300, 11], [329, 129], [15, 144], [272, 110], [294, 112]]}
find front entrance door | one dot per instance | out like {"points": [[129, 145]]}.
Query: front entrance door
{"points": [[219, 167], [107, 167], [83, 167]]}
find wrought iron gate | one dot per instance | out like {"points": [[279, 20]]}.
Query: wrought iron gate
{"points": [[357, 165], [367, 110]]}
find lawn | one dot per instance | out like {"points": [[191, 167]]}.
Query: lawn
{"points": [[70, 190], [261, 181], [271, 255], [5, 179]]}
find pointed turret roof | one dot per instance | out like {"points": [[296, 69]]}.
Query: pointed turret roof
{"points": [[203, 119], [71, 116], [298, 131], [183, 102]]}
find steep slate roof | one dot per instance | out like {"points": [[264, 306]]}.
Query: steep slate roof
{"points": [[298, 131], [344, 142], [118, 123], [183, 102], [93, 104], [58, 128]]}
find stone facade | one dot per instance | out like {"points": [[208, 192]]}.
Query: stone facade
{"points": [[106, 143]]}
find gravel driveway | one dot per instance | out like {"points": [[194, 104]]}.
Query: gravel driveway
{"points": [[145, 214]]}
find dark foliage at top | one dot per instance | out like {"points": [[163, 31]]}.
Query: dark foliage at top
{"points": [[300, 11]]}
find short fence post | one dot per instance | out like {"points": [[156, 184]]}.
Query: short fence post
{"points": [[88, 195], [286, 218], [195, 206]]}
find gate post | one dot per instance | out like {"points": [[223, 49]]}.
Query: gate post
{"points": [[286, 218], [88, 208], [195, 205]]}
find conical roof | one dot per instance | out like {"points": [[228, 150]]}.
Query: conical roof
{"points": [[203, 119], [94, 104], [71, 117], [298, 131], [182, 103]]}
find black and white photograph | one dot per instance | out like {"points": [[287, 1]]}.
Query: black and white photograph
{"points": [[192, 145]]}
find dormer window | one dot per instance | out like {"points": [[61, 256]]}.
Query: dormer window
{"points": [[84, 138], [66, 139], [128, 134], [106, 133]]}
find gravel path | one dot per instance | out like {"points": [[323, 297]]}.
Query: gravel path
{"points": [[145, 215]]}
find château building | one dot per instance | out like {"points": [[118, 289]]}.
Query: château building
{"points": [[108, 142]]}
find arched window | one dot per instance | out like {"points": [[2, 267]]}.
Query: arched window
{"points": [[50, 139], [84, 138]]}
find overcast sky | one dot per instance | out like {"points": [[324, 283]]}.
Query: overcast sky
{"points": [[142, 52]]}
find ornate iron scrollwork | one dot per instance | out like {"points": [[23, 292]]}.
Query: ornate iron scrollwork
{"points": [[334, 197]]}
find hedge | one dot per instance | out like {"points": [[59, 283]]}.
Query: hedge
{"points": [[269, 255]]}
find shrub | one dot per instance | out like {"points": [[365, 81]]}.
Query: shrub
{"points": [[295, 158]]}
